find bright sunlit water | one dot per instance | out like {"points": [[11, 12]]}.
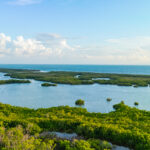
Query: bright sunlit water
{"points": [[33, 95]]}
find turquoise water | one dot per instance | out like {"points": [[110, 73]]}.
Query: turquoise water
{"points": [[123, 69]]}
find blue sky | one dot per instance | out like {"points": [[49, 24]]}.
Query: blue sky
{"points": [[75, 31]]}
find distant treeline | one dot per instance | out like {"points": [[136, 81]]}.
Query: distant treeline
{"points": [[78, 78], [13, 81]]}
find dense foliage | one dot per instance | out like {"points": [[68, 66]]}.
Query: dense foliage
{"points": [[125, 126], [136, 103], [76, 78], [48, 84], [18, 138], [109, 99], [12, 81], [79, 102]]}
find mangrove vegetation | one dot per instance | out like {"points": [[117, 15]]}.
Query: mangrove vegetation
{"points": [[48, 84], [79, 102], [78, 78], [126, 126], [13, 81], [109, 99], [136, 103]]}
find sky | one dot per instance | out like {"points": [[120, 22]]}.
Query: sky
{"points": [[75, 32]]}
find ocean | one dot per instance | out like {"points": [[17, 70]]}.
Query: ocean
{"points": [[120, 69]]}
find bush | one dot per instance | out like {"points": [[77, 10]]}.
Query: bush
{"points": [[79, 102], [136, 103], [109, 99], [48, 84]]}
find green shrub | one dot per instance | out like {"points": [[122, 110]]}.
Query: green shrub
{"points": [[136, 103], [48, 84], [109, 99], [124, 126], [79, 102]]}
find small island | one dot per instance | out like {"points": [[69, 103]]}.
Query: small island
{"points": [[109, 99], [136, 103], [79, 102], [13, 81], [48, 84]]}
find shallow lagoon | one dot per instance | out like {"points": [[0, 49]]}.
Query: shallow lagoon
{"points": [[33, 95]]}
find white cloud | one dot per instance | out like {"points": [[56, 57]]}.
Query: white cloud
{"points": [[28, 47], [24, 2], [55, 41], [4, 44], [50, 45], [134, 50], [53, 48]]}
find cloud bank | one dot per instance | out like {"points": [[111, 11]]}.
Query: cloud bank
{"points": [[42, 46], [53, 48]]}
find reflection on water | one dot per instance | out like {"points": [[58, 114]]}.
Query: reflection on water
{"points": [[100, 78], [2, 77], [34, 96]]}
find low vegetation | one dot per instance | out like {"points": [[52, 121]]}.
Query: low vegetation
{"points": [[18, 139], [136, 103], [62, 77], [13, 81], [79, 102], [126, 126], [48, 84], [109, 99]]}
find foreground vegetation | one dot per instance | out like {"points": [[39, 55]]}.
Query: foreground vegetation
{"points": [[18, 139], [125, 126], [76, 78]]}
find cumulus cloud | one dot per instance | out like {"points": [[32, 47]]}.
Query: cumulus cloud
{"points": [[42, 45], [4, 44], [29, 47], [24, 2], [53, 48], [55, 41]]}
